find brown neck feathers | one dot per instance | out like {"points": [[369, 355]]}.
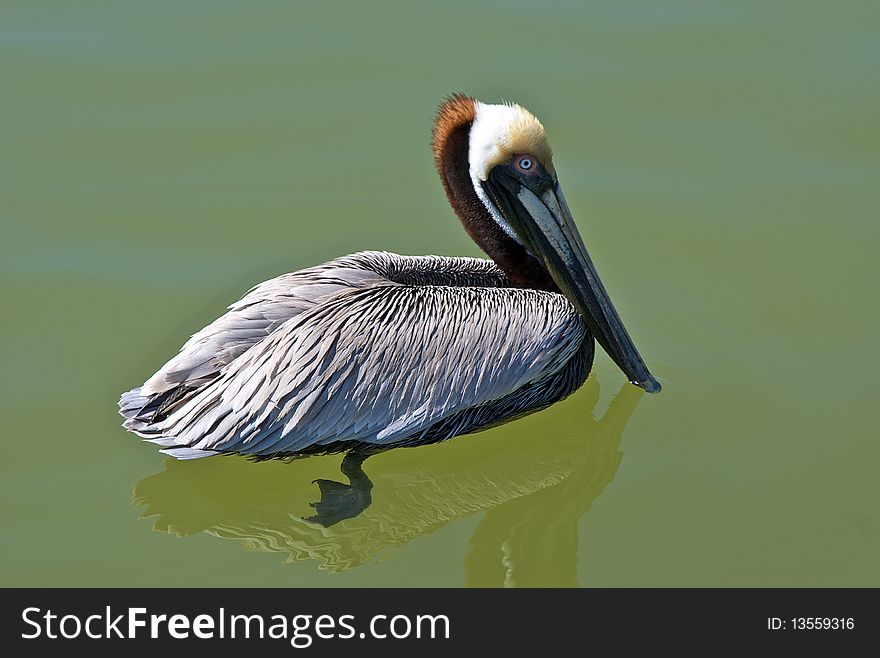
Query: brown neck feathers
{"points": [[451, 141]]}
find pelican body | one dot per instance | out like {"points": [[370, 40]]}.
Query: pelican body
{"points": [[376, 350]]}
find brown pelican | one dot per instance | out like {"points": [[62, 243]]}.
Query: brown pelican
{"points": [[376, 350]]}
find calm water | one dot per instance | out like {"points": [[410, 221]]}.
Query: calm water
{"points": [[721, 159]]}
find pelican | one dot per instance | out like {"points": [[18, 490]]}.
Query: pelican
{"points": [[376, 350]]}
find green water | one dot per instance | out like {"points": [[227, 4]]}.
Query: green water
{"points": [[157, 159]]}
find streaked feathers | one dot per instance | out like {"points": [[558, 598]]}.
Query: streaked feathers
{"points": [[372, 349]]}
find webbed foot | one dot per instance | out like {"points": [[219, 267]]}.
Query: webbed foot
{"points": [[343, 501]]}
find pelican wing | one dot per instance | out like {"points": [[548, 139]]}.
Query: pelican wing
{"points": [[261, 311], [375, 365], [267, 306]]}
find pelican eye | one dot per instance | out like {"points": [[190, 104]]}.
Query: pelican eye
{"points": [[525, 163]]}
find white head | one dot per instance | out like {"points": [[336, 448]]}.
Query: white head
{"points": [[498, 133]]}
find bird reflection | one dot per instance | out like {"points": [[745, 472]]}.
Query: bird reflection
{"points": [[533, 487], [532, 541], [343, 501]]}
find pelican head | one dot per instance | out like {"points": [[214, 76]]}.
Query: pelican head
{"points": [[497, 168]]}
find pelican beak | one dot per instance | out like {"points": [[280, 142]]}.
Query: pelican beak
{"points": [[542, 221]]}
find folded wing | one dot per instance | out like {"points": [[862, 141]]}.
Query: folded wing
{"points": [[372, 365]]}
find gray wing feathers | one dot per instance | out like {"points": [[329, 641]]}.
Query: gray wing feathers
{"points": [[375, 365], [251, 319], [268, 305]]}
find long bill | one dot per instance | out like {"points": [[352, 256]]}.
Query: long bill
{"points": [[543, 223]]}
